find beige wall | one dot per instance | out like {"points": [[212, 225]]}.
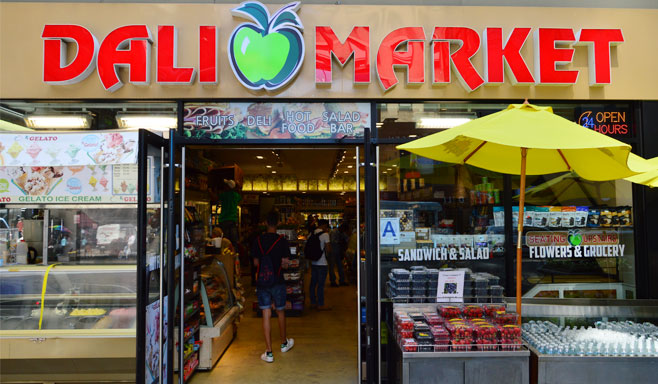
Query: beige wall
{"points": [[634, 76]]}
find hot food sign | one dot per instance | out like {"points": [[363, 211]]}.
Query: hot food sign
{"points": [[266, 52]]}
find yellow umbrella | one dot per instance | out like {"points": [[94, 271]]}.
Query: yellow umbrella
{"points": [[526, 139], [649, 178]]}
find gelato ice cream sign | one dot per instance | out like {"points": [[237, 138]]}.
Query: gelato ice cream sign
{"points": [[267, 53]]}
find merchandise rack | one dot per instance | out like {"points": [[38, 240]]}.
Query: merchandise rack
{"points": [[292, 296]]}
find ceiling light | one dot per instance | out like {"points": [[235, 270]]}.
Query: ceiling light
{"points": [[379, 124], [384, 172], [273, 171], [395, 165], [303, 192], [389, 169], [350, 166], [345, 171], [354, 157], [412, 136], [443, 122], [155, 122], [268, 166], [260, 157], [79, 121]]}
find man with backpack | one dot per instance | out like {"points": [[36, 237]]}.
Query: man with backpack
{"points": [[271, 252], [318, 246]]}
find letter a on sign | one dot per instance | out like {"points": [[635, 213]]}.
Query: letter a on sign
{"points": [[390, 231]]}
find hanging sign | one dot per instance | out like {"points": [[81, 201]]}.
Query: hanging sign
{"points": [[61, 149], [574, 244], [265, 121]]}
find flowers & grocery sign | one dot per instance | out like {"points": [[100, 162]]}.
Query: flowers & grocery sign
{"points": [[267, 52]]}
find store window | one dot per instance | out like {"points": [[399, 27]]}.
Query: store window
{"points": [[441, 215], [579, 238]]}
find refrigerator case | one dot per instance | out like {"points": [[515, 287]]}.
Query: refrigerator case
{"points": [[219, 313], [58, 326]]}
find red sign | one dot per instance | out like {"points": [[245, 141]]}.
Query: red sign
{"points": [[451, 50]]}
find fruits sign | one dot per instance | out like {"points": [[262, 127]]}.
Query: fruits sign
{"points": [[238, 121], [268, 53]]}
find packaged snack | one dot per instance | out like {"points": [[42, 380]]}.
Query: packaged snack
{"points": [[581, 216], [416, 316], [515, 216], [499, 216], [615, 216], [555, 217], [409, 345], [528, 215], [424, 337], [569, 217], [541, 217], [491, 309], [606, 217], [593, 218], [472, 311], [449, 311], [624, 215]]}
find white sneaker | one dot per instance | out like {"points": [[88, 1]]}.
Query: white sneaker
{"points": [[267, 357], [288, 346]]}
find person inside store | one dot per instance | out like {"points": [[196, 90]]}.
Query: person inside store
{"points": [[229, 199], [319, 267], [339, 239], [218, 239], [271, 253]]}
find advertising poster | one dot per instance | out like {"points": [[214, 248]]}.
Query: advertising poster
{"points": [[450, 287], [61, 149], [239, 121], [73, 184]]}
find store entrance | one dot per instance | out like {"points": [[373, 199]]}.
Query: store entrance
{"points": [[229, 193]]}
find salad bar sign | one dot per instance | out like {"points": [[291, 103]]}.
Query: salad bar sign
{"points": [[235, 121], [574, 244], [267, 52]]}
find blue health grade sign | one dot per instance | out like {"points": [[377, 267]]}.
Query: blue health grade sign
{"points": [[240, 121]]}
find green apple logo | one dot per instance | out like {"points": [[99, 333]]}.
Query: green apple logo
{"points": [[575, 238], [268, 53]]}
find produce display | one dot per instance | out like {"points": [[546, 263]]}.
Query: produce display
{"points": [[457, 328], [606, 338]]}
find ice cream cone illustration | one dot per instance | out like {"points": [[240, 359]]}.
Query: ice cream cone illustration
{"points": [[92, 182]]}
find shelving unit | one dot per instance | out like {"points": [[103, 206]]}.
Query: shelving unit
{"points": [[295, 294]]}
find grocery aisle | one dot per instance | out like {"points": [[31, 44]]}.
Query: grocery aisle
{"points": [[325, 346]]}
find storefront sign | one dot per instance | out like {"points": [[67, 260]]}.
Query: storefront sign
{"points": [[608, 121], [234, 121], [269, 52], [72, 184], [50, 150], [574, 244], [443, 254]]}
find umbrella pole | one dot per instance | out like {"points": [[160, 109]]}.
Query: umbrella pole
{"points": [[519, 249]]}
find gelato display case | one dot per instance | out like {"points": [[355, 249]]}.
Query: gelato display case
{"points": [[59, 319]]}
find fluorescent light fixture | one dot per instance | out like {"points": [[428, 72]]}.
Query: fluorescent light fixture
{"points": [[443, 122], [260, 157], [79, 121], [155, 122], [412, 136], [346, 172], [350, 166], [268, 166]]}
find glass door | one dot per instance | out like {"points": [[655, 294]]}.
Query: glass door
{"points": [[152, 340]]}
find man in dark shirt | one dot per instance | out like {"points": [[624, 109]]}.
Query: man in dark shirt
{"points": [[271, 253]]}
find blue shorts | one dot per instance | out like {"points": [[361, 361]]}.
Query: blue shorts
{"points": [[276, 293]]}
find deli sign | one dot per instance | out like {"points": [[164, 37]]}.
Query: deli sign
{"points": [[267, 51]]}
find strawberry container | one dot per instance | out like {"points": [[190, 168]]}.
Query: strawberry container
{"points": [[472, 311], [492, 309], [506, 318], [433, 319], [449, 311], [406, 323], [462, 345], [406, 333], [409, 345]]}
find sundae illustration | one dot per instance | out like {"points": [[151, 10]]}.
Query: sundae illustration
{"points": [[15, 150], [104, 182], [76, 169], [72, 151], [36, 181], [113, 149], [93, 181], [34, 150]]}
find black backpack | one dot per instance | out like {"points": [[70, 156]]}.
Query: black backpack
{"points": [[265, 272], [313, 248]]}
